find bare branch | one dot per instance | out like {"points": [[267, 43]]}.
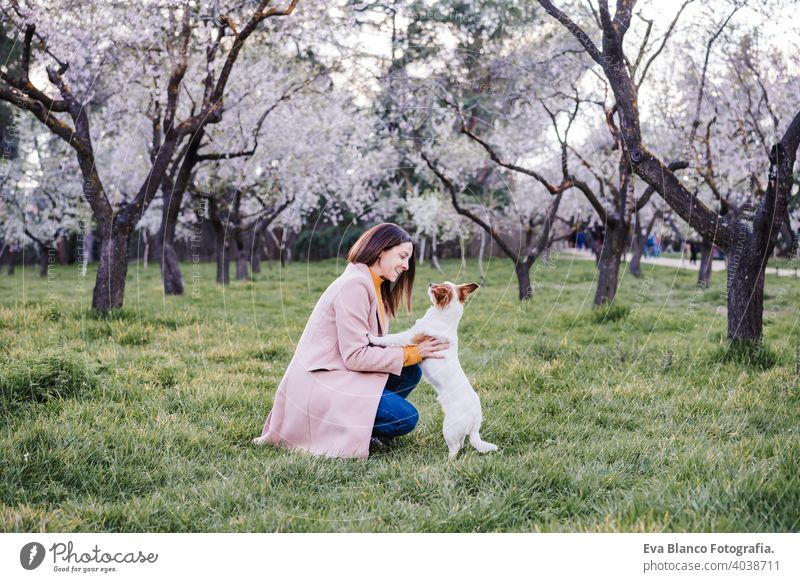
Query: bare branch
{"points": [[264, 218], [464, 212], [573, 28], [701, 90], [496, 158], [286, 96], [663, 44], [643, 46]]}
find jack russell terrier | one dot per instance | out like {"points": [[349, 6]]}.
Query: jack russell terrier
{"points": [[460, 403]]}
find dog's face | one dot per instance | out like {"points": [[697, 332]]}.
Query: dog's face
{"points": [[448, 295]]}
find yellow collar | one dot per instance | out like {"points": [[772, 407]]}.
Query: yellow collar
{"points": [[376, 279]]}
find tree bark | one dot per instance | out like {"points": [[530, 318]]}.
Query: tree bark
{"points": [[609, 262], [706, 258], [788, 239], [86, 249], [109, 289], [481, 250], [44, 255], [745, 295], [146, 255], [223, 260], [434, 252], [171, 270], [5, 251], [221, 252], [255, 251], [523, 271], [638, 244], [242, 272], [168, 258], [286, 246]]}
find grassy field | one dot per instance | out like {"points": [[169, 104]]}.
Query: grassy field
{"points": [[636, 418]]}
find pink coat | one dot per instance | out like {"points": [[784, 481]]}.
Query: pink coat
{"points": [[328, 397]]}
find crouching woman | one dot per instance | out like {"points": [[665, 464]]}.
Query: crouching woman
{"points": [[339, 391]]}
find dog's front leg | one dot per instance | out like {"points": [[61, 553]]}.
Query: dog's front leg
{"points": [[393, 339]]}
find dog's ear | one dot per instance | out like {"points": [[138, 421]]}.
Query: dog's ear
{"points": [[465, 291], [442, 295]]}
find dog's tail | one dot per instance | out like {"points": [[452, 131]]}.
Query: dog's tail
{"points": [[480, 445]]}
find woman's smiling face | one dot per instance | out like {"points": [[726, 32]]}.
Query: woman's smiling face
{"points": [[393, 261]]}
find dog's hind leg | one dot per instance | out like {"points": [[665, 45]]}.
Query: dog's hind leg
{"points": [[454, 437], [454, 446]]}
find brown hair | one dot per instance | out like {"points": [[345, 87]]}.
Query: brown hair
{"points": [[367, 249]]}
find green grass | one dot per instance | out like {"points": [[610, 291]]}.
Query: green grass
{"points": [[636, 418]]}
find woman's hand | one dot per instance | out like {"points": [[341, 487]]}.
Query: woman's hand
{"points": [[430, 347]]}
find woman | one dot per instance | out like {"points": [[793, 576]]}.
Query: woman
{"points": [[338, 390]]}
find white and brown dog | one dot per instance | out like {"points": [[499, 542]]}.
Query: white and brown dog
{"points": [[460, 403]]}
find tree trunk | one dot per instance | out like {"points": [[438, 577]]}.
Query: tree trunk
{"points": [[421, 253], [608, 263], [109, 289], [165, 240], [285, 247], [639, 242], [44, 256], [61, 250], [5, 251], [86, 249], [223, 265], [788, 239], [255, 251], [434, 257], [242, 272], [171, 270], [637, 248], [480, 255], [276, 242], [523, 270], [223, 258], [745, 294], [241, 258], [706, 258]]}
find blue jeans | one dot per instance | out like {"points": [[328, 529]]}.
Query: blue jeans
{"points": [[396, 415]]}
